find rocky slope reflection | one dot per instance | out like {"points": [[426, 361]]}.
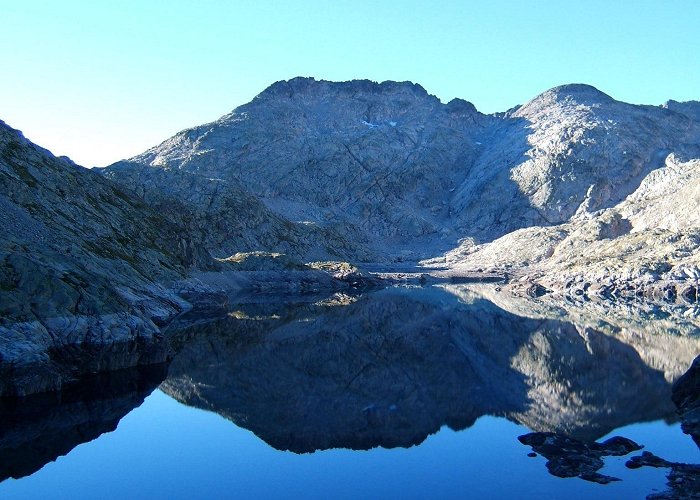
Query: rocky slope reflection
{"points": [[40, 428], [392, 367]]}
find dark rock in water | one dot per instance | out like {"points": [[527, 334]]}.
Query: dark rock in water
{"points": [[647, 459], [683, 480], [618, 446], [686, 397], [38, 429], [568, 457], [596, 477]]}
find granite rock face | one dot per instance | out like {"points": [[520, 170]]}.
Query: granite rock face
{"points": [[400, 175], [81, 263], [647, 245], [228, 220], [374, 163]]}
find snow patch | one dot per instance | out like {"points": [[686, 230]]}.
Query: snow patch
{"points": [[370, 125]]}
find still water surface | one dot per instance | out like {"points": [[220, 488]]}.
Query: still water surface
{"points": [[399, 393]]}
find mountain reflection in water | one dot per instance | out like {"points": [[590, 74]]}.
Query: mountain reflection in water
{"points": [[386, 369], [38, 429], [390, 368]]}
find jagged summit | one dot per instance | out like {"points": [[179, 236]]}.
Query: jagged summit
{"points": [[309, 86]]}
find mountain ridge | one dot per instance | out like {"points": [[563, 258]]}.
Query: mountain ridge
{"points": [[573, 193], [322, 151]]}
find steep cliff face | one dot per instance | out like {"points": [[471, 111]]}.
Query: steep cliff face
{"points": [[393, 170], [80, 263]]}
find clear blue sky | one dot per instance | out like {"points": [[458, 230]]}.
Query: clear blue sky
{"points": [[103, 80]]}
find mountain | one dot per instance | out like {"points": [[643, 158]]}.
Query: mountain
{"points": [[572, 192], [402, 176], [370, 162], [81, 263]]}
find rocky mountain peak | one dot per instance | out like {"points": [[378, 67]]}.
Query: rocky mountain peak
{"points": [[575, 95], [579, 92], [691, 109], [390, 166], [309, 87]]}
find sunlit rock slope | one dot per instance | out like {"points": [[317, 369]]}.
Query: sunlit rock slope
{"points": [[385, 171]]}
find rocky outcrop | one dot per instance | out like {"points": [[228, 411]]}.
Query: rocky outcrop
{"points": [[82, 263], [645, 246], [567, 457]]}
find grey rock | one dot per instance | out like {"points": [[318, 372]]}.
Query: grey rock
{"points": [[568, 457], [81, 263], [411, 175], [586, 195]]}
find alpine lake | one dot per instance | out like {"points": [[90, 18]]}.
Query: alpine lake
{"points": [[449, 391]]}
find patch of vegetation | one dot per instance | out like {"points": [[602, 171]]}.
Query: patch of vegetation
{"points": [[10, 154], [333, 266], [262, 261]]}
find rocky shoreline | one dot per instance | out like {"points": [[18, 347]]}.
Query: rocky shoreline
{"points": [[47, 355]]}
